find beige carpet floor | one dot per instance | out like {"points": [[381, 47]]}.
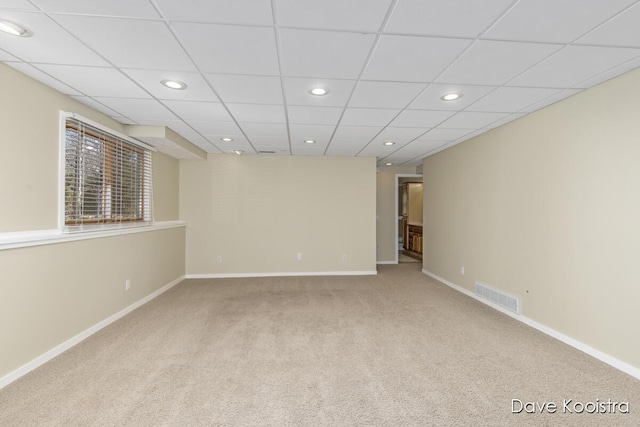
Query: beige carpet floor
{"points": [[397, 349]]}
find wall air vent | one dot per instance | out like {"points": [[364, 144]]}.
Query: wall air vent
{"points": [[509, 302]]}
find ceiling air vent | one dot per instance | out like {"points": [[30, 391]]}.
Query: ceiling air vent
{"points": [[266, 152]]}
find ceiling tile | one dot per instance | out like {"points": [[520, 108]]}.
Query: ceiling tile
{"points": [[623, 30], [375, 150], [124, 120], [197, 88], [209, 127], [247, 89], [249, 12], [297, 91], [511, 99], [199, 111], [532, 20], [452, 18], [430, 98], [352, 15], [609, 74], [201, 142], [37, 74], [6, 56], [318, 133], [443, 134], [269, 142], [133, 8], [96, 105], [550, 100], [327, 54], [398, 135], [308, 150], [573, 65], [278, 130], [93, 81], [346, 146], [154, 48], [495, 63], [257, 113], [472, 120], [418, 148], [17, 4], [138, 108], [314, 115], [413, 59], [468, 136], [509, 118], [230, 49], [421, 118], [384, 94], [44, 45], [237, 143], [368, 116], [356, 132], [395, 160]]}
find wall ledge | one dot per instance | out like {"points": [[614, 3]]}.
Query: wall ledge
{"points": [[603, 357], [281, 274], [23, 239]]}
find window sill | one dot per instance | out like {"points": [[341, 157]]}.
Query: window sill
{"points": [[49, 237]]}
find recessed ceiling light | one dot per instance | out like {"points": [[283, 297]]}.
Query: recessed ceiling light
{"points": [[238, 152], [13, 29], [226, 139], [388, 164], [174, 84], [318, 91], [451, 96], [309, 141], [388, 143]]}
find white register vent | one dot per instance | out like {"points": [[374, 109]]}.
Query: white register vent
{"points": [[507, 301]]}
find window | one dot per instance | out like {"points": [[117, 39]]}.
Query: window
{"points": [[107, 178]]}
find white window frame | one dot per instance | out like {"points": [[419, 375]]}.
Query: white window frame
{"points": [[148, 220]]}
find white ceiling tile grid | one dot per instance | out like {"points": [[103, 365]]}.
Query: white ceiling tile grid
{"points": [[249, 65]]}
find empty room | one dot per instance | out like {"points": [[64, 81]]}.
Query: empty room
{"points": [[319, 213]]}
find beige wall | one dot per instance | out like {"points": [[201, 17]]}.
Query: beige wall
{"points": [[258, 212], [30, 127], [547, 208], [387, 211], [51, 293], [166, 178]]}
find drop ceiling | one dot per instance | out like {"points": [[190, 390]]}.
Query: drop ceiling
{"points": [[249, 66]]}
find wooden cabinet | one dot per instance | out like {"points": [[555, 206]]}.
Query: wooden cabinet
{"points": [[414, 238]]}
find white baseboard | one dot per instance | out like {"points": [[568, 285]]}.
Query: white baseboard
{"points": [[386, 262], [609, 360], [44, 358], [282, 274]]}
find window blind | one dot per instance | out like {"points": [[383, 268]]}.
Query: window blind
{"points": [[107, 179]]}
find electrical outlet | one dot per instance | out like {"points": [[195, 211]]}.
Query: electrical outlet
{"points": [[127, 284], [299, 256], [219, 258], [462, 270], [344, 258]]}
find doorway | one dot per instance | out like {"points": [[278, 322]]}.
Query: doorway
{"points": [[408, 224]]}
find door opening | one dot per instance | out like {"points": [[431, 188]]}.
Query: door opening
{"points": [[408, 226]]}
